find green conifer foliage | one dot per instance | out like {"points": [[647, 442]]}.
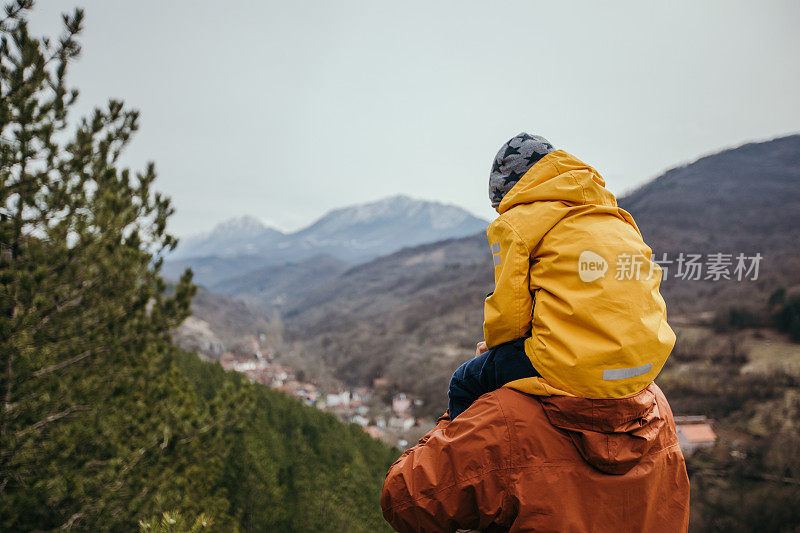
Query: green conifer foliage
{"points": [[84, 318], [103, 421]]}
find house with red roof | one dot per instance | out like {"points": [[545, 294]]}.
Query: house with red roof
{"points": [[694, 432]]}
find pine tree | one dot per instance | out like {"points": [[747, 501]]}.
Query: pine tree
{"points": [[85, 320], [104, 423]]}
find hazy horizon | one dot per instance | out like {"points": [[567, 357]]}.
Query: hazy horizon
{"points": [[488, 218], [285, 111], [335, 208]]}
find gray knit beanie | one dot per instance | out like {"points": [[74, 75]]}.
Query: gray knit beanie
{"points": [[513, 160]]}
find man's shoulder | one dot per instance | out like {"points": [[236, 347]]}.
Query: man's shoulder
{"points": [[493, 412], [484, 412], [513, 406]]}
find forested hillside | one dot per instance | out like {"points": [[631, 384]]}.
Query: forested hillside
{"points": [[743, 200], [104, 421]]}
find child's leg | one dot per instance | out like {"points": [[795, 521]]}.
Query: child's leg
{"points": [[487, 372], [465, 385]]}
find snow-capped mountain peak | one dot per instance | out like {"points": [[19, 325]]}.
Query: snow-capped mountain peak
{"points": [[240, 226], [352, 234]]}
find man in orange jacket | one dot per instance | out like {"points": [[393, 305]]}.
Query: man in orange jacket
{"points": [[518, 462]]}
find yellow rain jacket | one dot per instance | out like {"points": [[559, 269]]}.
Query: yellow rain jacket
{"points": [[573, 274]]}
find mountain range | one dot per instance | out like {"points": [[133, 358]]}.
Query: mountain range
{"points": [[348, 235]]}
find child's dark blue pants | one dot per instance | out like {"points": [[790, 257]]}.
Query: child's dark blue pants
{"points": [[487, 372]]}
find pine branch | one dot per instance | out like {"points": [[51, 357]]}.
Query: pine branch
{"points": [[68, 46], [52, 418], [14, 12], [68, 524], [66, 363], [7, 395]]}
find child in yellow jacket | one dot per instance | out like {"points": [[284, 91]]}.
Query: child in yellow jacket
{"points": [[576, 309]]}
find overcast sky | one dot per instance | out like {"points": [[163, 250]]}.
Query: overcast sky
{"points": [[285, 110]]}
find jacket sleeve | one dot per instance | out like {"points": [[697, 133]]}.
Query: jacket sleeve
{"points": [[455, 477], [507, 311]]}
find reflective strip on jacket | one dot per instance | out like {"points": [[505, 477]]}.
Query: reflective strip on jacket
{"points": [[573, 274], [515, 462]]}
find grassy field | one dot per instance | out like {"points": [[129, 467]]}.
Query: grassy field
{"points": [[768, 351], [764, 351]]}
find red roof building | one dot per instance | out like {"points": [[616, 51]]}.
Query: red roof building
{"points": [[694, 432]]}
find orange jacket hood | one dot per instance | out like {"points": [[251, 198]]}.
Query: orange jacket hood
{"points": [[611, 435]]}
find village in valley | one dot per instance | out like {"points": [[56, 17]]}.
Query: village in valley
{"points": [[383, 414]]}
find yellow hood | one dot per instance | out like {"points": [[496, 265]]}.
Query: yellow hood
{"points": [[559, 176]]}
